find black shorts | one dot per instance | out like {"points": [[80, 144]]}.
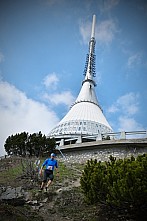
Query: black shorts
{"points": [[48, 174]]}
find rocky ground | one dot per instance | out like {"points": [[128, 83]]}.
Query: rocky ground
{"points": [[21, 200]]}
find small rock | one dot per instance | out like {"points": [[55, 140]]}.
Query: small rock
{"points": [[45, 200], [59, 190], [32, 202]]}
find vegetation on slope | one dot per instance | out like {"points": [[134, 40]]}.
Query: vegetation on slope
{"points": [[110, 190]]}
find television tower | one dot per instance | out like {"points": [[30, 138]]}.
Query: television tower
{"points": [[85, 119]]}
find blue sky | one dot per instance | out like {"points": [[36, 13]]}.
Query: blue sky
{"points": [[43, 47]]}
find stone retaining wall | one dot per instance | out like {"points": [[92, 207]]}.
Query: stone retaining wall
{"points": [[103, 154]]}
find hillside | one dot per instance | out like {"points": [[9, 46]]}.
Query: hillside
{"points": [[21, 200]]}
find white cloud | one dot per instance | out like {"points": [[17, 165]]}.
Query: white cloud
{"points": [[128, 124], [104, 32], [134, 60], [128, 104], [85, 30], [125, 108], [51, 81], [60, 98], [19, 113], [113, 109]]}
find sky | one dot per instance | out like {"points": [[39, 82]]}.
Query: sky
{"points": [[43, 47]]}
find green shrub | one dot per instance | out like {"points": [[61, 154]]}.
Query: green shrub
{"points": [[116, 182]]}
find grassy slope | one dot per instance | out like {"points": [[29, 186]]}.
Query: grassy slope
{"points": [[67, 205]]}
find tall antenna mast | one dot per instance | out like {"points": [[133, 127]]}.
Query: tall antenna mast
{"points": [[89, 70]]}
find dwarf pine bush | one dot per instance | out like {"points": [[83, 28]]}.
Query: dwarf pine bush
{"points": [[116, 182]]}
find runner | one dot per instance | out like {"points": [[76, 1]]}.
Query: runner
{"points": [[50, 165]]}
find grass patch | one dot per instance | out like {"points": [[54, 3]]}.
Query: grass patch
{"points": [[66, 173], [10, 173]]}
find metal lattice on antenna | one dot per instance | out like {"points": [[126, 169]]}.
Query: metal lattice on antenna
{"points": [[89, 70]]}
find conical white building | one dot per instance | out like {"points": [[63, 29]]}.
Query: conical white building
{"points": [[85, 120]]}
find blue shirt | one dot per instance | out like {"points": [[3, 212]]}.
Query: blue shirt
{"points": [[50, 164]]}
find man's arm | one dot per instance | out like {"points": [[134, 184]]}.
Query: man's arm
{"points": [[56, 167], [41, 169]]}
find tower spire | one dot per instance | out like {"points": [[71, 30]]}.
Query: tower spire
{"points": [[87, 91], [93, 26], [89, 71]]}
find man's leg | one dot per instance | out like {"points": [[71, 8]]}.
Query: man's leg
{"points": [[44, 180], [42, 185], [50, 181]]}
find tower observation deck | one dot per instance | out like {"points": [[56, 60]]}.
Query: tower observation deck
{"points": [[85, 117]]}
